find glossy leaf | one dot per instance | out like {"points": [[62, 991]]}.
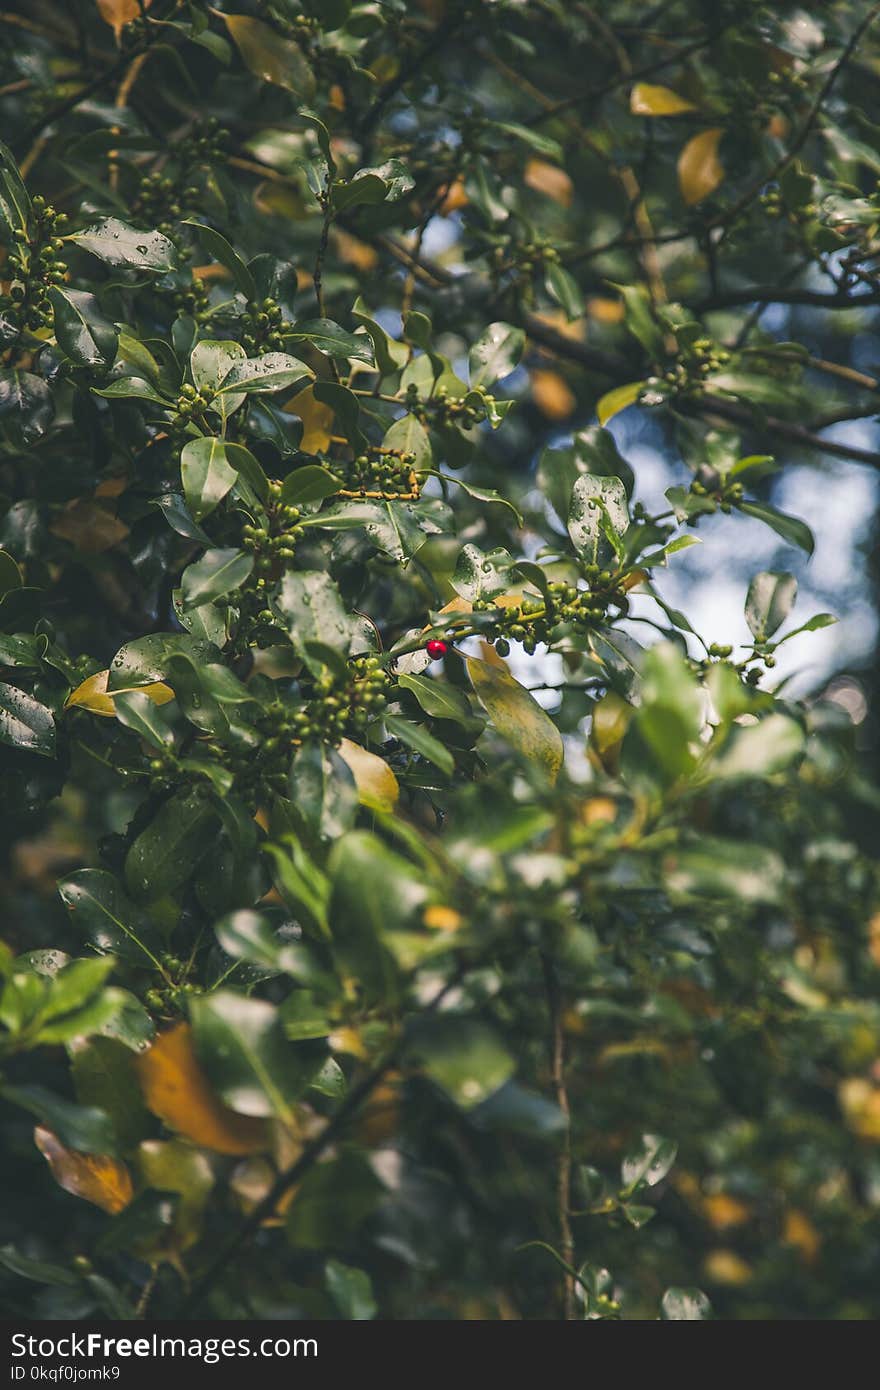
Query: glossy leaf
{"points": [[517, 716]]}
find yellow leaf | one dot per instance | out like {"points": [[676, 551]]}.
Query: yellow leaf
{"points": [[874, 938], [456, 605], [349, 1041], [456, 197], [517, 715], [605, 310], [440, 918], [89, 527], [700, 171], [799, 1232], [723, 1211], [117, 13], [354, 252], [176, 1089], [376, 784], [269, 56], [614, 401], [550, 180], [317, 421], [860, 1103], [92, 694], [611, 716], [97, 1178], [648, 100], [726, 1267], [489, 654], [599, 810], [552, 394], [386, 67]]}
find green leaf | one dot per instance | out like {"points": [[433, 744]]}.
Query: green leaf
{"points": [[463, 1057], [594, 499], [485, 494], [410, 436], [685, 1305], [166, 853], [15, 205], [329, 338], [309, 483], [101, 910], [320, 628], [104, 1075], [663, 737], [81, 330], [760, 750], [211, 361], [769, 601], [40, 1271], [641, 323], [726, 869], [495, 353], [25, 723], [271, 372], [148, 659], [438, 698], [206, 474], [128, 388], [332, 1203], [389, 355], [517, 716], [324, 791], [81, 1127], [417, 737], [790, 528], [242, 1046], [136, 711], [648, 1164], [118, 244], [299, 881], [26, 405], [564, 289], [247, 935], [479, 576], [350, 1290], [218, 573], [374, 892], [221, 250]]}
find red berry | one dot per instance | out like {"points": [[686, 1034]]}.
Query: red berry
{"points": [[435, 649]]}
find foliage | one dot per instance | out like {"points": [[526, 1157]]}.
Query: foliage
{"points": [[409, 914]]}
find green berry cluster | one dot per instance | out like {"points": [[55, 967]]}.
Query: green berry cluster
{"points": [[443, 409], [165, 195], [193, 300], [170, 998], [33, 266], [385, 473], [708, 482], [535, 620], [265, 327], [686, 376], [273, 544], [190, 404]]}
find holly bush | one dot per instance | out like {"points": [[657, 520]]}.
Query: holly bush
{"points": [[409, 912]]}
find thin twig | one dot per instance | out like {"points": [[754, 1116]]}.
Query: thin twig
{"points": [[563, 1166]]}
